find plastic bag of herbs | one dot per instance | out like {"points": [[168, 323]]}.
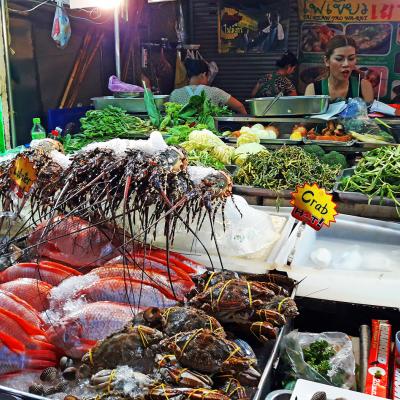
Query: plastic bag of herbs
{"points": [[319, 357]]}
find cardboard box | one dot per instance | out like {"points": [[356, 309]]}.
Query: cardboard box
{"points": [[377, 383]]}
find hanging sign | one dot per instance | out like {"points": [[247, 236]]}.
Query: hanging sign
{"points": [[349, 10], [374, 26], [314, 206], [23, 174]]}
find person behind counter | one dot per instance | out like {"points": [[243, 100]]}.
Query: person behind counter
{"points": [[278, 81], [197, 71], [340, 61]]}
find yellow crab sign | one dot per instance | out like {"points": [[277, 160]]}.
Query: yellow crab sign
{"points": [[313, 205], [23, 174]]}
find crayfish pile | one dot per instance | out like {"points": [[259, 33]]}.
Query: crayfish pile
{"points": [[129, 185]]}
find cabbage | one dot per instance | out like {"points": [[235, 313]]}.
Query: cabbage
{"points": [[245, 129], [188, 146], [257, 127], [243, 151], [268, 133], [247, 138], [204, 139], [223, 153]]}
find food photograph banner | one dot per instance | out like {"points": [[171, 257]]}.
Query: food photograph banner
{"points": [[254, 26], [373, 25]]}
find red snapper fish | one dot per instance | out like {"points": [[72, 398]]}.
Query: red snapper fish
{"points": [[33, 291], [14, 304], [135, 292], [46, 271], [79, 331], [180, 286], [74, 241], [15, 357], [33, 338]]}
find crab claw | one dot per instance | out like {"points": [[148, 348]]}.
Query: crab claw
{"points": [[263, 331], [242, 369], [103, 379], [272, 316], [163, 392], [170, 370]]}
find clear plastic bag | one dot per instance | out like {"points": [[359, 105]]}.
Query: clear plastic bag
{"points": [[342, 364], [355, 118], [117, 86], [61, 31]]}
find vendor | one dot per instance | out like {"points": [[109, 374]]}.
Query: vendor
{"points": [[197, 71], [340, 61], [276, 82]]}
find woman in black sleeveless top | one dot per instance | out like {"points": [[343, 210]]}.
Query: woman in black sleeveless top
{"points": [[340, 60]]}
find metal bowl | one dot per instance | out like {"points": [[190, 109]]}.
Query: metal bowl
{"points": [[127, 95], [289, 105]]}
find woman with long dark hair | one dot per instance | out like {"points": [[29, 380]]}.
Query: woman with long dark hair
{"points": [[340, 61]]}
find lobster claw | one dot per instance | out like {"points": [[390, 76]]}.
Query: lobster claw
{"points": [[263, 331]]}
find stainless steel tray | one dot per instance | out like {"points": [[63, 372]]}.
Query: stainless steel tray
{"points": [[330, 143], [289, 105], [269, 141], [12, 394], [132, 105], [355, 197], [261, 192]]}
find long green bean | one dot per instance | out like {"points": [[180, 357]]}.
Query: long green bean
{"points": [[285, 169]]}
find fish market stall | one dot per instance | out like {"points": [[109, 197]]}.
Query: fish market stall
{"points": [[98, 309]]}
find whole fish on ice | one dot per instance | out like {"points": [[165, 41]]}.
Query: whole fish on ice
{"points": [[52, 273], [79, 331], [33, 291], [181, 287], [74, 241], [14, 304], [134, 292]]}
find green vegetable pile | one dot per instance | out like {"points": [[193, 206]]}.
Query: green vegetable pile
{"points": [[109, 123], [333, 158], [377, 174], [204, 159], [199, 110], [318, 355], [284, 169]]}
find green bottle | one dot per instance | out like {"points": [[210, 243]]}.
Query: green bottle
{"points": [[37, 132]]}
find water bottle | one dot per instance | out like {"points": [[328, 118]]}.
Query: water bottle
{"points": [[37, 132]]}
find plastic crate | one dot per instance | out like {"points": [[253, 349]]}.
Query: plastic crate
{"points": [[63, 116]]}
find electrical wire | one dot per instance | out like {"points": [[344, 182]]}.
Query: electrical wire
{"points": [[94, 13], [42, 3]]}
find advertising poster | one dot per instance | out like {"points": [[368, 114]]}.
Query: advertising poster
{"points": [[253, 26], [375, 27]]}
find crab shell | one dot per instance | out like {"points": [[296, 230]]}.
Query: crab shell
{"points": [[207, 352], [133, 346], [184, 319], [235, 300]]}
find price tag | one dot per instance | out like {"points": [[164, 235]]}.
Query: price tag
{"points": [[23, 174], [314, 206]]}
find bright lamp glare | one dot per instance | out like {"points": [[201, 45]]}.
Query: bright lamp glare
{"points": [[108, 4]]}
